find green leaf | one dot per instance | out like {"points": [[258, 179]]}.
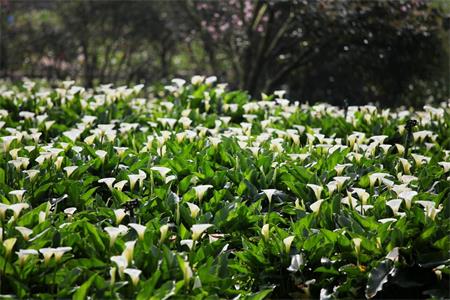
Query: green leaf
{"points": [[149, 286], [364, 181], [120, 196], [378, 277], [2, 175], [80, 294], [259, 295], [443, 243], [95, 236], [322, 269], [166, 291], [87, 197], [42, 189]]}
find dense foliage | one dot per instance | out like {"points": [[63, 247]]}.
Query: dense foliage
{"points": [[395, 52], [203, 192]]}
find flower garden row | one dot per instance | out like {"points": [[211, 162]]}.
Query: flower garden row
{"points": [[200, 192]]}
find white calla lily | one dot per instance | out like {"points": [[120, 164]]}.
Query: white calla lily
{"points": [[108, 181], [140, 229], [288, 242], [134, 275], [200, 191], [317, 189], [297, 262], [194, 209], [269, 194], [198, 229]]}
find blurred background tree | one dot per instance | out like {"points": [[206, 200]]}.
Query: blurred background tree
{"points": [[391, 52]]}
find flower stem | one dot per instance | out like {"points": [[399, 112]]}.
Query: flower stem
{"points": [[55, 286], [409, 128], [3, 272]]}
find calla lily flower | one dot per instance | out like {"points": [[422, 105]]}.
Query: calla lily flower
{"points": [[194, 209], [408, 179], [140, 229], [340, 180], [16, 163], [119, 185], [315, 207], [121, 150], [73, 134], [445, 165], [215, 237], [129, 250], [170, 178], [198, 229], [430, 208], [17, 208], [363, 208], [200, 191], [42, 216], [340, 168], [357, 244], [133, 179], [119, 214], [178, 82], [426, 204], [47, 253], [3, 208], [395, 205], [288, 242], [400, 149], [349, 200], [114, 232], [420, 159], [187, 271], [163, 232], [163, 171], [400, 188], [317, 189], [121, 262], [112, 274], [188, 243], [265, 231], [32, 174], [70, 170], [407, 196], [377, 177], [362, 195], [24, 254], [197, 79], [9, 244], [134, 275], [7, 140], [18, 194], [58, 162], [101, 154], [332, 186], [406, 165], [297, 262], [215, 141], [25, 232], [70, 211], [269, 194], [108, 181], [59, 252]]}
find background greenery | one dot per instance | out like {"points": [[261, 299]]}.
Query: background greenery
{"points": [[392, 52]]}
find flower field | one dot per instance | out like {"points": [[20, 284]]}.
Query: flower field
{"points": [[200, 192]]}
